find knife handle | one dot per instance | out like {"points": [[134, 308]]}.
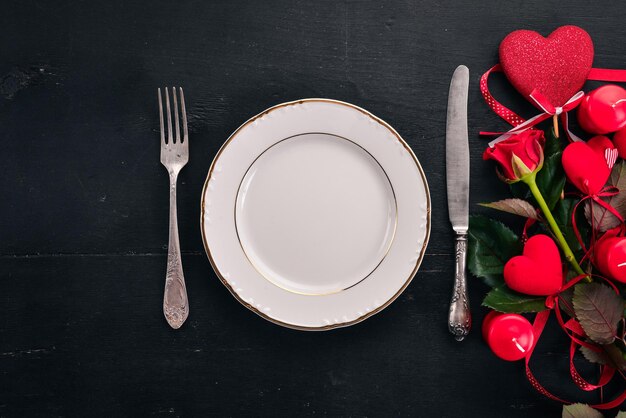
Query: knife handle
{"points": [[460, 317]]}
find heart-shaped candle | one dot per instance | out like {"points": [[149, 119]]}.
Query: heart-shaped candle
{"points": [[557, 66], [603, 110], [538, 270], [585, 164]]}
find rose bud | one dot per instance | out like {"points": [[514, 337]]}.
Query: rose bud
{"points": [[519, 155]]}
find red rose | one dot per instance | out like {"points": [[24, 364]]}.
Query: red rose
{"points": [[519, 155]]}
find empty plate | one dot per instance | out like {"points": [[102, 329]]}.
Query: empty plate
{"points": [[315, 214]]}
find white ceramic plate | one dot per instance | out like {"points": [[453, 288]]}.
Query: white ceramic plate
{"points": [[315, 214]]}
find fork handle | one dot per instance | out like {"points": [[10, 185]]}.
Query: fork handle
{"points": [[175, 303]]}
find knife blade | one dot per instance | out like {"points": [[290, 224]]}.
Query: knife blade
{"points": [[457, 184]]}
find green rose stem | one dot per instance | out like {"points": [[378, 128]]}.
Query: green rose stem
{"points": [[530, 180]]}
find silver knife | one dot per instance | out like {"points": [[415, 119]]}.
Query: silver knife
{"points": [[457, 179]]}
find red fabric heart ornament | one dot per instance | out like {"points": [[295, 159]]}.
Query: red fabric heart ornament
{"points": [[585, 164], [538, 271], [557, 66]]}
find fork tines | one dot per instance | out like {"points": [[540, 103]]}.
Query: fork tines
{"points": [[170, 137]]}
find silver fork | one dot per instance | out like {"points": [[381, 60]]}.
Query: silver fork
{"points": [[174, 156]]}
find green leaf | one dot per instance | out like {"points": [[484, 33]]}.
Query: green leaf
{"points": [[579, 410], [515, 206], [597, 357], [598, 309], [615, 356], [609, 354], [503, 299], [491, 245], [553, 145], [551, 179], [565, 298], [563, 216], [604, 220]]}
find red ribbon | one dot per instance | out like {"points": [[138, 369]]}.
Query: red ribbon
{"points": [[575, 332], [548, 111], [504, 112], [520, 124], [597, 198], [607, 74], [572, 327]]}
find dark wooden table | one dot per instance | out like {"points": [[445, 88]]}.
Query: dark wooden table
{"points": [[83, 230]]}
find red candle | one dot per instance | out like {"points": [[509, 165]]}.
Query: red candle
{"points": [[610, 257], [509, 336], [603, 110]]}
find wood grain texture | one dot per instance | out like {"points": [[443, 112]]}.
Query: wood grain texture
{"points": [[84, 217]]}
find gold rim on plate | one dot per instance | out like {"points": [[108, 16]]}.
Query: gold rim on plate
{"points": [[366, 315]]}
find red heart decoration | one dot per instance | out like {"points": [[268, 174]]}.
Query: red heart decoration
{"points": [[585, 164], [557, 66], [538, 271]]}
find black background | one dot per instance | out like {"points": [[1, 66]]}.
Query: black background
{"points": [[83, 225]]}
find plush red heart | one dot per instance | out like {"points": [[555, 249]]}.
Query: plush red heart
{"points": [[538, 271], [585, 164], [557, 66]]}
